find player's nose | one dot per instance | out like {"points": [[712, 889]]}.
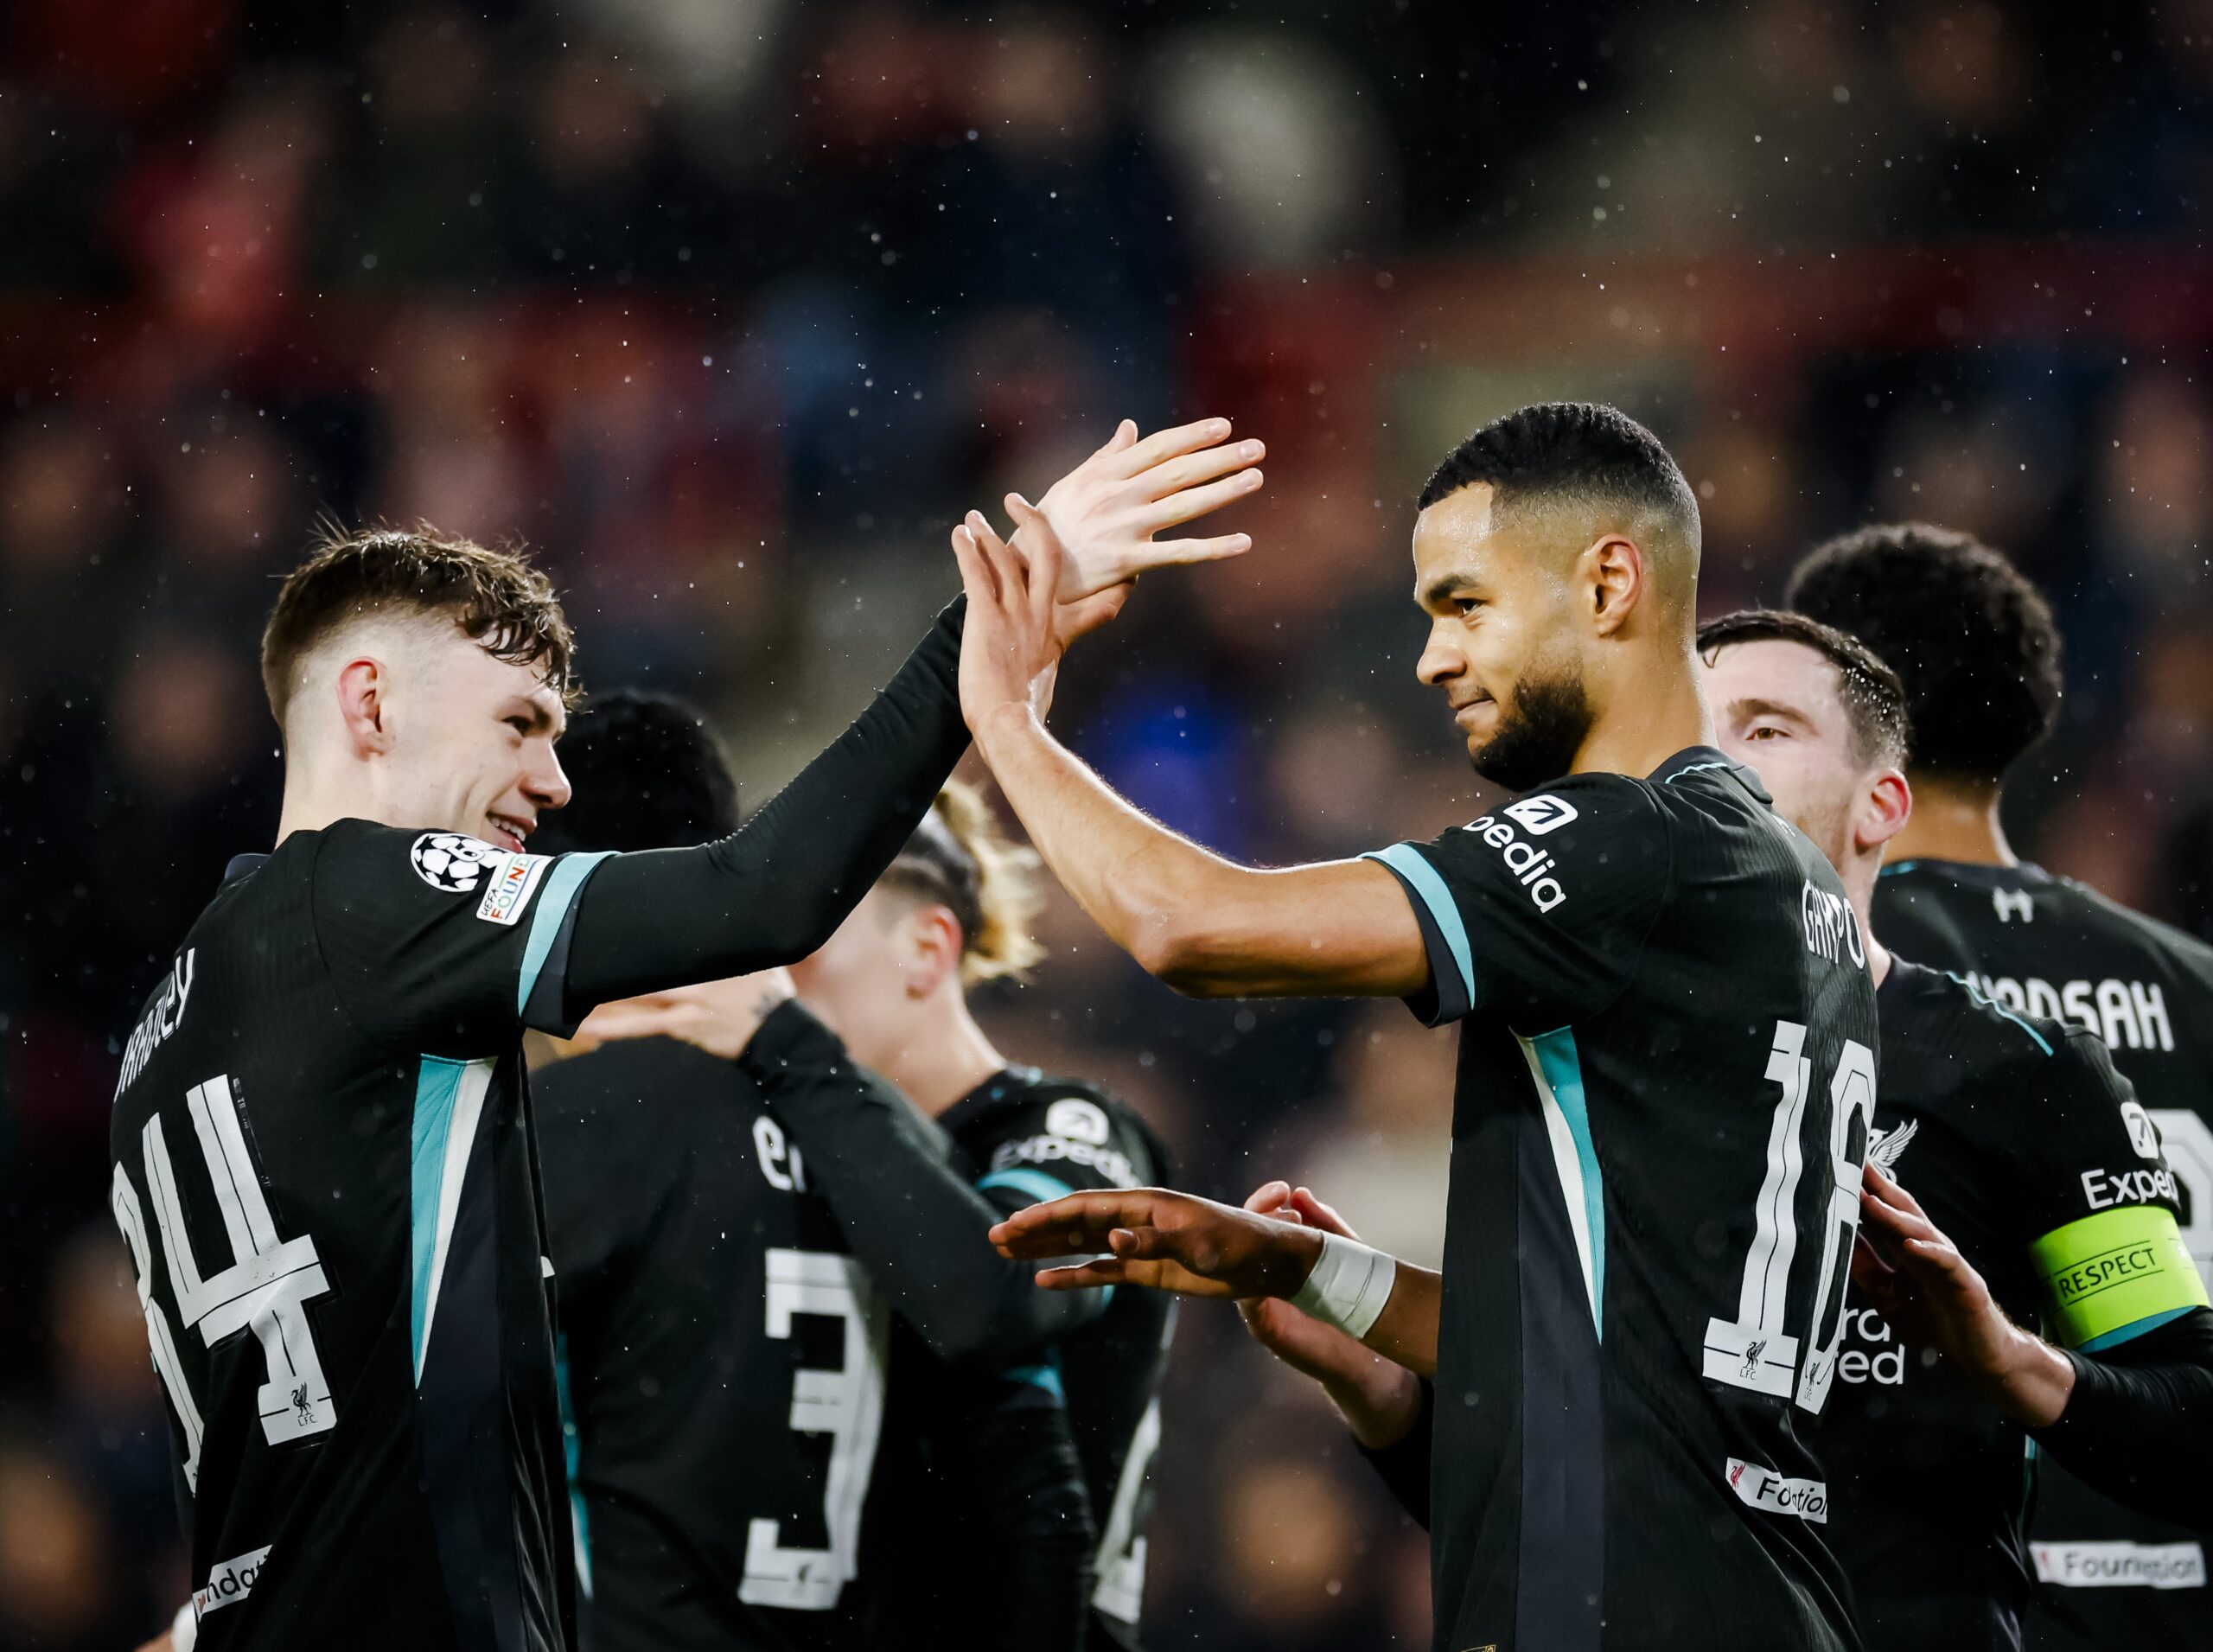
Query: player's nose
{"points": [[1440, 661], [545, 784]]}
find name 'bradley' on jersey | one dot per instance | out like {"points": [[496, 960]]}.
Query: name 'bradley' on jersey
{"points": [[162, 1017]]}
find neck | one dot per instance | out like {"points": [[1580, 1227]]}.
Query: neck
{"points": [[1954, 821], [310, 805], [1657, 719], [1857, 875], [946, 1058]]}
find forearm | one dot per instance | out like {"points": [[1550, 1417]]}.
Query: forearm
{"points": [[1405, 1331], [1203, 924], [914, 1223], [2137, 1425], [773, 891], [1035, 1535]]}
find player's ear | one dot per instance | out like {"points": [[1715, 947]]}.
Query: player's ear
{"points": [[1614, 575], [934, 935], [364, 689], [1885, 808]]}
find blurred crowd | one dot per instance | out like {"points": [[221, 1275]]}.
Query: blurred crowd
{"points": [[729, 306]]}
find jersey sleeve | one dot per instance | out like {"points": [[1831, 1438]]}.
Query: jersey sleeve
{"points": [[2100, 1202], [1540, 909], [441, 943], [1010, 1443], [1056, 1140]]}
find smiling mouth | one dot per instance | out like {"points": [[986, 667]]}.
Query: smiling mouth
{"points": [[508, 832]]}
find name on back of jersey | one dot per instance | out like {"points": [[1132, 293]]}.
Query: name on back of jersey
{"points": [[1832, 927], [2127, 1014], [163, 1017]]}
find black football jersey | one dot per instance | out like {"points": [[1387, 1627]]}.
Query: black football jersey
{"points": [[726, 1362], [1028, 1138], [1667, 1073], [322, 1167], [2033, 1156], [2050, 947]]}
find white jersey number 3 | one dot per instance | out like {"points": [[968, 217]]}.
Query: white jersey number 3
{"points": [[266, 1289], [1757, 1350], [847, 1405]]}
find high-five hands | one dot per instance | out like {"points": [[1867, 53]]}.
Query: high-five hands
{"points": [[1169, 1241], [1075, 555], [1919, 1280], [1105, 510]]}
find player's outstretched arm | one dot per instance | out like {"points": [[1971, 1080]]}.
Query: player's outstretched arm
{"points": [[1204, 925], [2134, 1419], [773, 891], [1178, 1241]]}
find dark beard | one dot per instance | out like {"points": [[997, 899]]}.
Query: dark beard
{"points": [[1550, 721]]}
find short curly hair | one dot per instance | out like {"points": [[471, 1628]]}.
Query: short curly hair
{"points": [[648, 773], [1971, 639], [1572, 449], [498, 599]]}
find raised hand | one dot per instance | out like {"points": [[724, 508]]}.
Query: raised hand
{"points": [[1934, 1298], [1106, 511], [1169, 1241]]}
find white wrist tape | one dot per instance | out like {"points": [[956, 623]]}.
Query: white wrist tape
{"points": [[1349, 1286], [184, 1633]]}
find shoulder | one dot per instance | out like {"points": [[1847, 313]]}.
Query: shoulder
{"points": [[2182, 952], [1935, 1007], [364, 855]]}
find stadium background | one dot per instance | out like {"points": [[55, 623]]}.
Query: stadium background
{"points": [[729, 306]]}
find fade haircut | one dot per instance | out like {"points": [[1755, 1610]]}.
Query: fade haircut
{"points": [[501, 603], [1973, 641], [646, 773], [1874, 698], [1579, 451]]}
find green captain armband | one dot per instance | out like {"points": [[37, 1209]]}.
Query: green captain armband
{"points": [[2108, 1271]]}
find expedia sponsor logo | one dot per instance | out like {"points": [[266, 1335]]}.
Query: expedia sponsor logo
{"points": [[2127, 1014], [508, 891], [162, 1018], [1078, 1121], [1778, 1494], [1533, 868], [229, 1582], [2103, 1188], [1051, 1150], [2143, 1134], [1832, 931], [1875, 1355], [1540, 815], [2121, 1564]]}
